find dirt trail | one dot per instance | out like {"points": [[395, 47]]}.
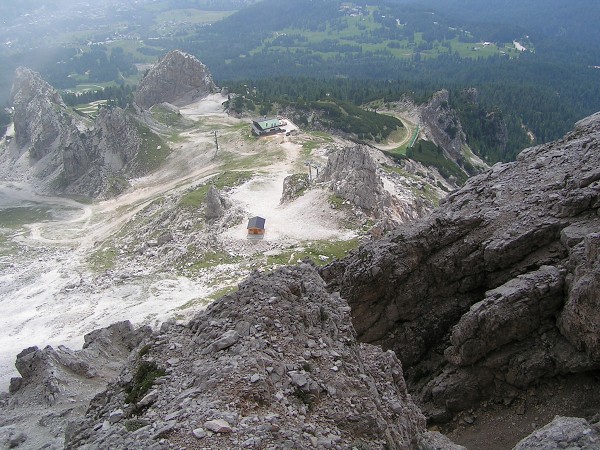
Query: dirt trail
{"points": [[410, 130], [49, 296]]}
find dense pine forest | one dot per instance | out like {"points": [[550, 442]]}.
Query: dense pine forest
{"points": [[314, 50]]}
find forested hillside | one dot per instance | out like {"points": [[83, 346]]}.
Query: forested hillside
{"points": [[532, 63]]}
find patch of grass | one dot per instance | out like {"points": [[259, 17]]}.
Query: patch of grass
{"points": [[145, 375], [320, 252], [116, 185], [169, 117], [222, 292], [308, 147], [204, 301], [134, 424], [430, 154], [153, 150], [16, 217], [103, 259], [211, 259], [336, 201], [196, 197], [193, 303]]}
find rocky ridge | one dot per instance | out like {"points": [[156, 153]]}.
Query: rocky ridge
{"points": [[278, 363], [353, 175], [495, 291], [67, 154], [444, 125], [178, 78], [56, 385], [41, 118], [275, 365]]}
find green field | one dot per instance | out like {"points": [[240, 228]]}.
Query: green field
{"points": [[350, 35]]}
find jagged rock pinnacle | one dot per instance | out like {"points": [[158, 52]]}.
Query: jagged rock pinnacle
{"points": [[178, 79]]}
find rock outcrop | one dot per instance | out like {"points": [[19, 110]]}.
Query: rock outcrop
{"points": [[99, 161], [178, 78], [216, 204], [56, 385], [42, 121], [65, 154], [293, 186], [498, 288], [352, 175], [563, 432], [444, 125], [275, 365]]}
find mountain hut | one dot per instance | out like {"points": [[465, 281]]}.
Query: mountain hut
{"points": [[256, 227], [263, 127]]}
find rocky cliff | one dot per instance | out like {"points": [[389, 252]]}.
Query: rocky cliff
{"points": [[42, 121], [98, 161], [352, 175], [355, 177], [61, 152], [178, 78], [275, 365], [56, 385], [498, 289], [444, 125]]}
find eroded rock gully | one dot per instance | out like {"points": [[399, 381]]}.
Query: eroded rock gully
{"points": [[498, 289]]}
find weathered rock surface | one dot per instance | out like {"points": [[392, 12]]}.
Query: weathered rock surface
{"points": [[275, 365], [41, 118], [293, 186], [352, 175], [216, 204], [388, 197], [563, 432], [469, 298], [442, 125], [64, 153], [56, 385], [100, 160], [178, 79]]}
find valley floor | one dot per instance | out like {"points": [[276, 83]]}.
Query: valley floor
{"points": [[54, 282]]}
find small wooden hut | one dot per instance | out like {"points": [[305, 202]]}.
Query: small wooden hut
{"points": [[256, 227]]}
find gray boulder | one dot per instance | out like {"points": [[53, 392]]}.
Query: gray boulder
{"points": [[563, 432]]}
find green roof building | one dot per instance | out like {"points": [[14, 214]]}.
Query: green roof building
{"points": [[261, 127]]}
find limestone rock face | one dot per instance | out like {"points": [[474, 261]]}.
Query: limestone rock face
{"points": [[352, 175], [444, 125], [498, 288], [580, 321], [293, 186], [178, 79], [56, 384], [40, 117], [216, 204], [563, 432], [274, 365], [105, 152], [63, 153]]}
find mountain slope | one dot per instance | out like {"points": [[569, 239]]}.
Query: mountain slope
{"points": [[494, 291]]}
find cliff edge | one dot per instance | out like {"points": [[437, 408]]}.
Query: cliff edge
{"points": [[498, 289]]}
